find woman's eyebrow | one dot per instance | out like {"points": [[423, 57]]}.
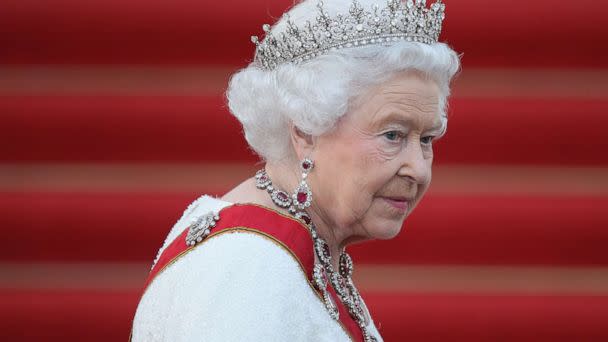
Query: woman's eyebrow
{"points": [[393, 117]]}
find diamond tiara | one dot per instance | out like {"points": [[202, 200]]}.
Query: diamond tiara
{"points": [[409, 21]]}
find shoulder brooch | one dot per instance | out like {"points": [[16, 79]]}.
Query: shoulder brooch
{"points": [[200, 228]]}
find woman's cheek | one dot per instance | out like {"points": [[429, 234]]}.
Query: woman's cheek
{"points": [[428, 152], [382, 151]]}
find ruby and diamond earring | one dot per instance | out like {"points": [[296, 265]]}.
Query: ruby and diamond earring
{"points": [[302, 196]]}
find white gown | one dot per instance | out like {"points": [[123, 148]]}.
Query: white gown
{"points": [[234, 287]]}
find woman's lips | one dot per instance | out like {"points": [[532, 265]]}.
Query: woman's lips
{"points": [[398, 203]]}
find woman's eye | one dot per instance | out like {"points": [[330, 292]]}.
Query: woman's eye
{"points": [[427, 140], [392, 135]]}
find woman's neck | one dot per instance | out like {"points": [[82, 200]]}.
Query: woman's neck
{"points": [[287, 179]]}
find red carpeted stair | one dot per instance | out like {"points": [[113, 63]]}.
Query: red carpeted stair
{"points": [[505, 230], [504, 256], [105, 316], [538, 33], [136, 129]]}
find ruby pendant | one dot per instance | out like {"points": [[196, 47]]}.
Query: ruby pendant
{"points": [[302, 197]]}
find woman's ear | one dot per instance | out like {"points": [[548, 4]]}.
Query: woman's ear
{"points": [[303, 143]]}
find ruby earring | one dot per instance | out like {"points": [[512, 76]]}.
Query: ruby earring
{"points": [[302, 196]]}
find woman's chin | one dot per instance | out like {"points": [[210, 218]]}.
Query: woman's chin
{"points": [[386, 223], [386, 229]]}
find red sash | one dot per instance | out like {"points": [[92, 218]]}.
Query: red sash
{"points": [[289, 233]]}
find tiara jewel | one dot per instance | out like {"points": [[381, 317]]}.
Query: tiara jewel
{"points": [[409, 21]]}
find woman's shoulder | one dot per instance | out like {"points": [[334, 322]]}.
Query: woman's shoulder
{"points": [[245, 280], [200, 206], [195, 223], [209, 222]]}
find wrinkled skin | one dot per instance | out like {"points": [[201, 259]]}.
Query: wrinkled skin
{"points": [[375, 166], [371, 170]]}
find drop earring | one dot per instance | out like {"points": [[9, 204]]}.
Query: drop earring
{"points": [[302, 196]]}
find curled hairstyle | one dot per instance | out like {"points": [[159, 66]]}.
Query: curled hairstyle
{"points": [[313, 95]]}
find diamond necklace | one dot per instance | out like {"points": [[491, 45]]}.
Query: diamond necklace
{"points": [[324, 272]]}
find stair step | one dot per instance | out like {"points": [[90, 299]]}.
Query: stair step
{"points": [[195, 32], [455, 279], [55, 315], [541, 83], [498, 317], [115, 128], [107, 316], [469, 179], [199, 129], [447, 230]]}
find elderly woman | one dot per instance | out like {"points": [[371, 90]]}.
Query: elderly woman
{"points": [[343, 102]]}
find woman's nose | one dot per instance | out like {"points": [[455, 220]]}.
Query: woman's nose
{"points": [[414, 165]]}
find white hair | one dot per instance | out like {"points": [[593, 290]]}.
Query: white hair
{"points": [[313, 95]]}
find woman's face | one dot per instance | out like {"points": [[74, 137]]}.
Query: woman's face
{"points": [[374, 167]]}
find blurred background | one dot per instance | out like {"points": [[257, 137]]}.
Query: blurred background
{"points": [[113, 119]]}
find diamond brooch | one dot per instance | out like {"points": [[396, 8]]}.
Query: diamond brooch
{"points": [[200, 228]]}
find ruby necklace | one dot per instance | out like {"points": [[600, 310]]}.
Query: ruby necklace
{"points": [[323, 272]]}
